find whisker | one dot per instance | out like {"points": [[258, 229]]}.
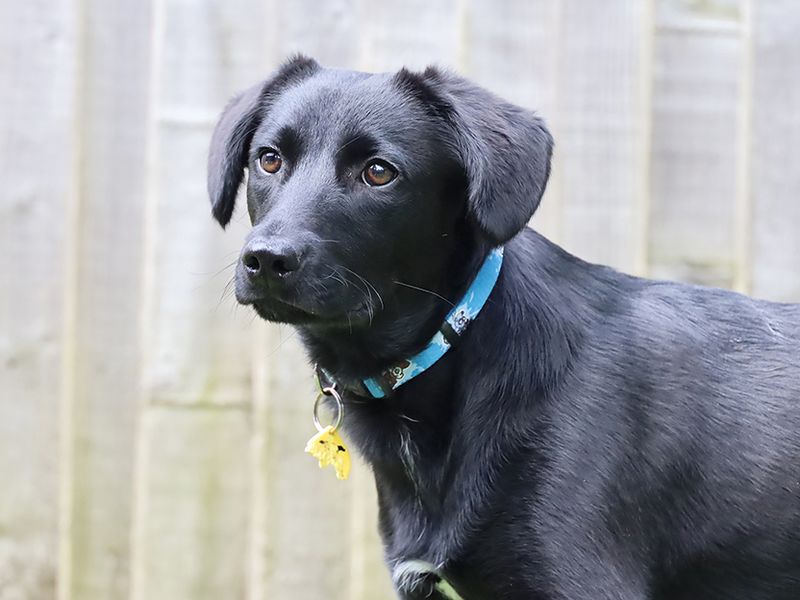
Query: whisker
{"points": [[426, 291], [365, 292], [317, 286], [366, 282], [226, 267], [227, 291], [335, 275], [212, 275]]}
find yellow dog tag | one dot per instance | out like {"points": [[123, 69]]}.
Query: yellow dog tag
{"points": [[328, 447]]}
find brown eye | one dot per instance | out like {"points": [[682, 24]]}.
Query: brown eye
{"points": [[270, 161], [378, 173]]}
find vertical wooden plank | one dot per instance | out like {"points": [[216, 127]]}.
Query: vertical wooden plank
{"points": [[514, 53], [294, 503], [694, 158], [108, 280], [327, 31], [195, 345], [38, 149], [196, 520], [318, 535], [304, 504], [775, 179], [369, 576], [413, 34], [743, 205], [602, 113], [191, 538]]}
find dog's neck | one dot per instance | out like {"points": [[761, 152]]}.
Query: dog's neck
{"points": [[404, 325], [419, 440]]}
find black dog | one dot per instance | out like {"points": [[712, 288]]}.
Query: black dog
{"points": [[590, 435]]}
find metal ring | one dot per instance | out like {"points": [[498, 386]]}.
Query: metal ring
{"points": [[337, 422]]}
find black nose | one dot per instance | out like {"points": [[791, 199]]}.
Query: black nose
{"points": [[271, 260]]}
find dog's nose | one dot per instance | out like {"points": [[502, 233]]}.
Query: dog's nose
{"points": [[270, 260]]}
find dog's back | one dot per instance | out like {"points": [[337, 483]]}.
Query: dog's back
{"points": [[676, 428]]}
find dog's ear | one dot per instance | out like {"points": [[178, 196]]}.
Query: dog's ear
{"points": [[230, 142], [505, 150]]}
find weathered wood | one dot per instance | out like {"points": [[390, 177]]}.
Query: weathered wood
{"points": [[599, 153], [413, 34], [194, 503], [330, 31], [695, 103], [306, 518], [192, 495], [106, 345], [137, 404], [708, 17], [195, 343], [369, 576], [38, 155], [775, 122]]}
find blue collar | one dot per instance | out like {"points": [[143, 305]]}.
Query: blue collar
{"points": [[456, 322]]}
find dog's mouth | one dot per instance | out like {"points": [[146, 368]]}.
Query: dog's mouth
{"points": [[306, 301], [294, 313]]}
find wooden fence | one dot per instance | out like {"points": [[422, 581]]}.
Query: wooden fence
{"points": [[151, 433]]}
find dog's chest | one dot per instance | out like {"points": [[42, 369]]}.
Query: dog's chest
{"points": [[444, 498], [488, 562], [503, 577]]}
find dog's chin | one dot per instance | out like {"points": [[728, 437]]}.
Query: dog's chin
{"points": [[276, 311]]}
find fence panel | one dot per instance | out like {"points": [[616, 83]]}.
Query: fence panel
{"points": [[39, 151], [698, 57], [191, 537], [601, 112], [107, 270], [151, 431], [775, 177]]}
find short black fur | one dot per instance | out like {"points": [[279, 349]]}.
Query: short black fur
{"points": [[593, 436]]}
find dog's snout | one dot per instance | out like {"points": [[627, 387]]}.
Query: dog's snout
{"points": [[271, 260]]}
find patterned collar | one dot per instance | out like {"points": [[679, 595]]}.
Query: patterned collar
{"points": [[456, 322]]}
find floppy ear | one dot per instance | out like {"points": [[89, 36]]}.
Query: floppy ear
{"points": [[230, 142], [504, 149]]}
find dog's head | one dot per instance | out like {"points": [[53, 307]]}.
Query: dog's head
{"points": [[363, 187]]}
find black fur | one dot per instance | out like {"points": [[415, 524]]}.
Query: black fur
{"points": [[593, 436], [504, 149]]}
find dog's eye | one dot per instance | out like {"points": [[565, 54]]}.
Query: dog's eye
{"points": [[378, 173], [270, 161]]}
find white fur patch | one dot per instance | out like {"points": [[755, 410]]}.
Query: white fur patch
{"points": [[409, 574]]}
